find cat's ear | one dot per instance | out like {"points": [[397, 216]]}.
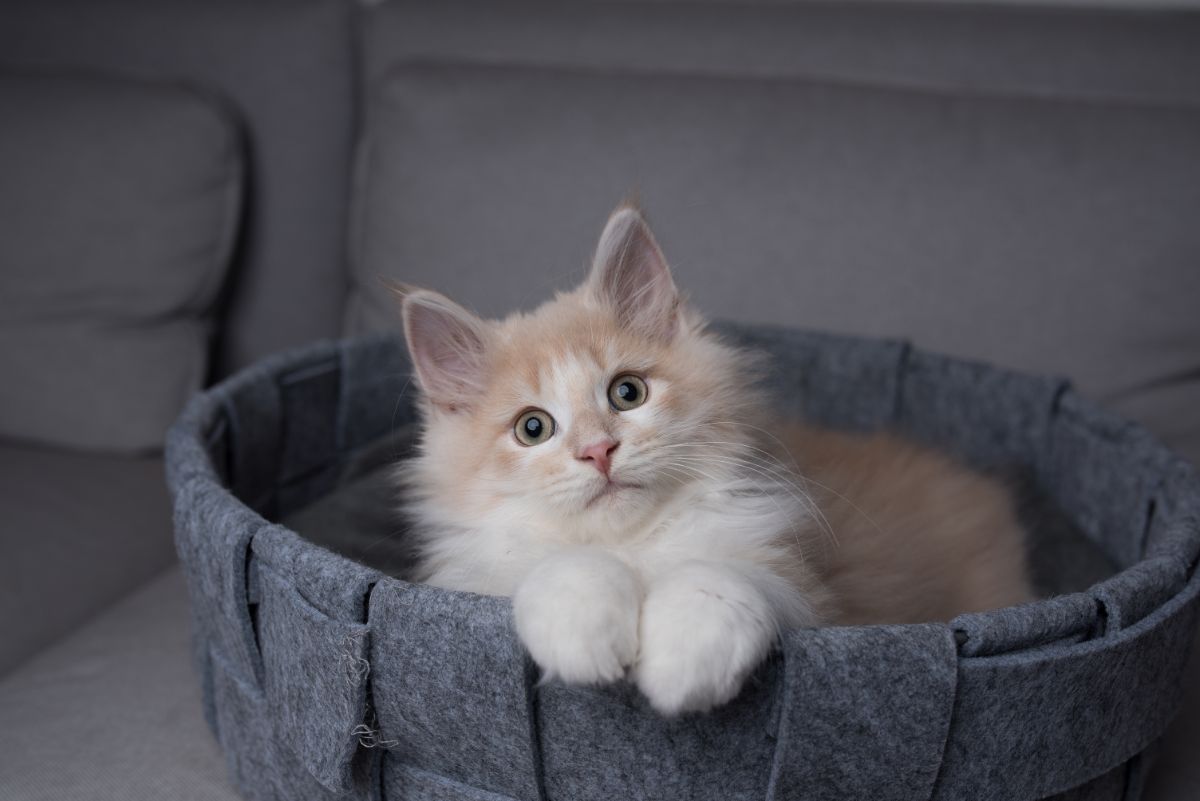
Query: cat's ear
{"points": [[630, 274], [448, 348]]}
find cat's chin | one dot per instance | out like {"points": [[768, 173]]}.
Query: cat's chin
{"points": [[611, 493]]}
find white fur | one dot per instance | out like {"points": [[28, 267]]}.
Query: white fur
{"points": [[705, 626], [577, 612]]}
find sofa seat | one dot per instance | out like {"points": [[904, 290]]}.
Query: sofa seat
{"points": [[79, 531], [112, 712]]}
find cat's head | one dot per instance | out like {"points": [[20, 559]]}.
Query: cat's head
{"points": [[586, 414]]}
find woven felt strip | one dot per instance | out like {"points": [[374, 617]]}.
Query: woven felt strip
{"points": [[413, 784], [213, 534], [314, 642], [259, 761], [866, 711], [255, 422], [377, 391], [1071, 618], [601, 744], [452, 687], [263, 454], [315, 681], [988, 417], [309, 447], [1032, 723], [1174, 529], [840, 382], [1103, 472]]}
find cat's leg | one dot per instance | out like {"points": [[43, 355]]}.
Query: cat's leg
{"points": [[577, 613], [704, 627]]}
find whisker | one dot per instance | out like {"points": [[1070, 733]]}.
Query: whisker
{"points": [[688, 463], [792, 492], [785, 482]]}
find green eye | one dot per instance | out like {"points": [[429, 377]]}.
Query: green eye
{"points": [[626, 392], [534, 427]]}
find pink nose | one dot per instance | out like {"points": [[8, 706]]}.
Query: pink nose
{"points": [[599, 454]]}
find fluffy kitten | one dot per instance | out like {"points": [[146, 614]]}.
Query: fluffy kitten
{"points": [[613, 467]]}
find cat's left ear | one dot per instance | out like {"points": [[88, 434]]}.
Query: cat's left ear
{"points": [[630, 274]]}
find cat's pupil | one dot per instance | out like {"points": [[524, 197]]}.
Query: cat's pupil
{"points": [[533, 427], [627, 391]]}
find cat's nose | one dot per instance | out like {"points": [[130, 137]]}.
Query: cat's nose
{"points": [[599, 454]]}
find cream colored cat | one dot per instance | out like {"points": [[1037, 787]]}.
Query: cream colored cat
{"points": [[613, 467]]}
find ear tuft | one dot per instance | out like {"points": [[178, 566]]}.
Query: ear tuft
{"points": [[448, 347], [630, 274]]}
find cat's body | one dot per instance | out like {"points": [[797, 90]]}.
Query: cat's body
{"points": [[614, 468], [918, 536]]}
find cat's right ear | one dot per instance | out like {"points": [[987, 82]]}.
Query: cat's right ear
{"points": [[447, 344]]}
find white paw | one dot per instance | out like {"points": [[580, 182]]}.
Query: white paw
{"points": [[577, 613], [704, 628]]}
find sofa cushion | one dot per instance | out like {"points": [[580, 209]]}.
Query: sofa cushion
{"points": [[78, 531], [113, 713], [287, 67], [120, 205], [1128, 48], [1043, 234]]}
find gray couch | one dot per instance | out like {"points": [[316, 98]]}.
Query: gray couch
{"points": [[191, 185]]}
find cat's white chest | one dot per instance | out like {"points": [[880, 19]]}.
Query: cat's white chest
{"points": [[710, 524], [720, 526]]}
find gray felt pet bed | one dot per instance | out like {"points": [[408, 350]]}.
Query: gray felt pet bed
{"points": [[324, 676]]}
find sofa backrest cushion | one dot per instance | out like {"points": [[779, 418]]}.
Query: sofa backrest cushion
{"points": [[1049, 48], [286, 66], [119, 203], [1022, 205]]}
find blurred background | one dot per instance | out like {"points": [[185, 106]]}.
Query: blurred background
{"points": [[187, 186]]}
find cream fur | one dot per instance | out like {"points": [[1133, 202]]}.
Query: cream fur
{"points": [[683, 574]]}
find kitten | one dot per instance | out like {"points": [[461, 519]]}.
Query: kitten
{"points": [[613, 467]]}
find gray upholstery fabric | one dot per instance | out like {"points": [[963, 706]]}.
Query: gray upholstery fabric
{"points": [[90, 526], [120, 205], [286, 66], [1031, 232], [1141, 53], [1061, 697], [112, 712]]}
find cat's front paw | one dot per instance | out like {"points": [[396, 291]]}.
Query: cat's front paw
{"points": [[577, 613], [704, 628]]}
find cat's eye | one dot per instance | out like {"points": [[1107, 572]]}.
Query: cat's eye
{"points": [[627, 391], [534, 427]]}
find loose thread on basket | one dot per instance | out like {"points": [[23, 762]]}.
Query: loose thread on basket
{"points": [[368, 737], [356, 667]]}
